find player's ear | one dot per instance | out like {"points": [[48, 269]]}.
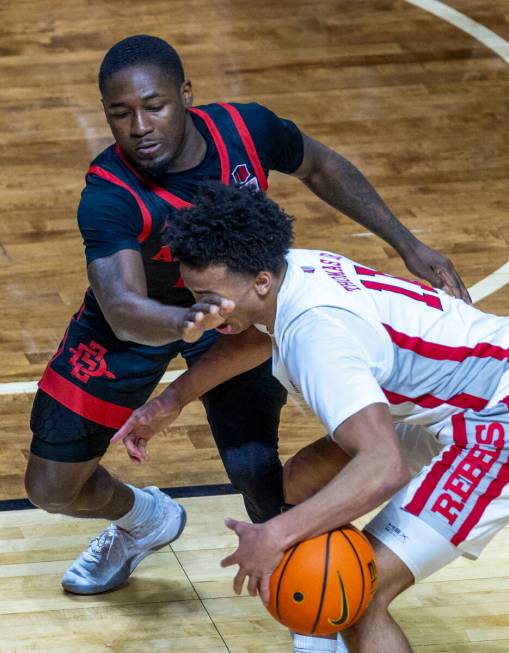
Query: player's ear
{"points": [[263, 283], [186, 91]]}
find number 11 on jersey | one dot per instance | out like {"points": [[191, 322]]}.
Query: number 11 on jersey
{"points": [[429, 295]]}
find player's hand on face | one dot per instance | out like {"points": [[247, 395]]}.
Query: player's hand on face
{"points": [[145, 422], [210, 312], [437, 269], [257, 555]]}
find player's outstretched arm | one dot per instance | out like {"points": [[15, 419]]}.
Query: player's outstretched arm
{"points": [[339, 183], [119, 284], [227, 358]]}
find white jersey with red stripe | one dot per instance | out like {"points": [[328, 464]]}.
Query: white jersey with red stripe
{"points": [[347, 335]]}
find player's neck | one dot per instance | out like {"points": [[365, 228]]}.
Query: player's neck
{"points": [[193, 150]]}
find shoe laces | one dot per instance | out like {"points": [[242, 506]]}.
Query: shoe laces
{"points": [[105, 539]]}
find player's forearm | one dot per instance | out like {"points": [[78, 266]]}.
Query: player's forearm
{"points": [[363, 485], [339, 183], [143, 320], [227, 358]]}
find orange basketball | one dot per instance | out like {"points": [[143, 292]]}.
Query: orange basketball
{"points": [[323, 585]]}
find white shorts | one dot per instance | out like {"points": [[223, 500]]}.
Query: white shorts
{"points": [[459, 497]]}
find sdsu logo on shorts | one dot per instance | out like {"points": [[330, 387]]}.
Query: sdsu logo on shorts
{"points": [[243, 177], [88, 361]]}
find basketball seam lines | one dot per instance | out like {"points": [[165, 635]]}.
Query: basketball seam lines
{"points": [[324, 585], [280, 580], [362, 574]]}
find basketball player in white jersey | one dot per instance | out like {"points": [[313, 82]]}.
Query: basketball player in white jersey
{"points": [[365, 350]]}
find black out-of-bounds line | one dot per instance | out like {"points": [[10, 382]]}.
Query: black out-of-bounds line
{"points": [[179, 492]]}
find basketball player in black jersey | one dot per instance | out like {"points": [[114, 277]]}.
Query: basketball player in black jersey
{"points": [[136, 314]]}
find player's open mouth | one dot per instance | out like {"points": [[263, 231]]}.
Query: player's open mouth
{"points": [[225, 328]]}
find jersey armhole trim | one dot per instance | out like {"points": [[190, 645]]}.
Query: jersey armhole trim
{"points": [[219, 142], [145, 213], [248, 143]]}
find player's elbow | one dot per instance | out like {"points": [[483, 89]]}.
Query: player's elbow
{"points": [[117, 316], [396, 475]]}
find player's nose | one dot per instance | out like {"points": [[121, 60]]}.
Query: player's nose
{"points": [[140, 124]]}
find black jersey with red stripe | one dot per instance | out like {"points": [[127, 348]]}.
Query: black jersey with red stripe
{"points": [[120, 209]]}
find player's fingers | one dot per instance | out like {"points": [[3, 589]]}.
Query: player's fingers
{"points": [[447, 282], [195, 317], [190, 332], [233, 524], [229, 560], [142, 448], [225, 305], [124, 430], [452, 283], [132, 449], [252, 585], [264, 588], [205, 307], [459, 288], [238, 581]]}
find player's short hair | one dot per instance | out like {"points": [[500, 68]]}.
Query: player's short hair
{"points": [[140, 50], [238, 227]]}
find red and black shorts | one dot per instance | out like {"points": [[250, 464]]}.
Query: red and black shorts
{"points": [[93, 383]]}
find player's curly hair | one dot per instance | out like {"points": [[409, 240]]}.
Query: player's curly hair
{"points": [[139, 50], [238, 227]]}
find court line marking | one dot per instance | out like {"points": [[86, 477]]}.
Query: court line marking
{"points": [[499, 278], [479, 290], [483, 34]]}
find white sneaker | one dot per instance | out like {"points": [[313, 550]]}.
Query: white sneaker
{"points": [[114, 554]]}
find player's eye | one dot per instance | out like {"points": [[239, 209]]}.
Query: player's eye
{"points": [[123, 114], [155, 108]]}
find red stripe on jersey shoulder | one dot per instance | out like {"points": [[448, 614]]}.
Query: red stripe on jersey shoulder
{"points": [[461, 400], [248, 143], [445, 352], [81, 402], [145, 213], [219, 142], [174, 200]]}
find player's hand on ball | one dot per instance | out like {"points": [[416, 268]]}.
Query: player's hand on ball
{"points": [[145, 422], [209, 313], [257, 555]]}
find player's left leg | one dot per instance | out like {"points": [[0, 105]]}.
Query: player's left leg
{"points": [[244, 414], [377, 631], [244, 417]]}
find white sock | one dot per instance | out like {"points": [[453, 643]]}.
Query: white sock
{"points": [[141, 512], [340, 645], [303, 644]]}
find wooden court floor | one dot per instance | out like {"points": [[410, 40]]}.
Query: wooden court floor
{"points": [[418, 104]]}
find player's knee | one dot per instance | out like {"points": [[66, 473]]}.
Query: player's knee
{"points": [[300, 479], [248, 467], [394, 577], [294, 486], [49, 491]]}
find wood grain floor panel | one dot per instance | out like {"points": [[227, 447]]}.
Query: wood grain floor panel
{"points": [[420, 106]]}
